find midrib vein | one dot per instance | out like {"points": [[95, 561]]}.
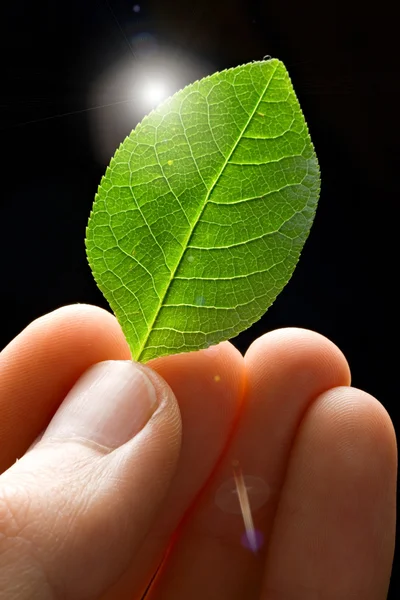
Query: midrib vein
{"points": [[197, 219]]}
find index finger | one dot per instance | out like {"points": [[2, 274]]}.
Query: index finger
{"points": [[40, 366]]}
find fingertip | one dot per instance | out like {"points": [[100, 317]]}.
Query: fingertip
{"points": [[219, 364], [357, 424], [299, 349], [86, 320]]}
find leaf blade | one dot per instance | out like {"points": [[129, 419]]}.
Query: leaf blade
{"points": [[176, 196]]}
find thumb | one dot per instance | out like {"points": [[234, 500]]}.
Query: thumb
{"points": [[76, 508]]}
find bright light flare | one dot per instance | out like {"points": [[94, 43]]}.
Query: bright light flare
{"points": [[154, 92], [136, 84]]}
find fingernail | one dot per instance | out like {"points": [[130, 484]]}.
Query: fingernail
{"points": [[110, 403]]}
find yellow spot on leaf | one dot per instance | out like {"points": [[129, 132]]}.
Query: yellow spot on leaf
{"points": [[261, 114], [170, 162]]}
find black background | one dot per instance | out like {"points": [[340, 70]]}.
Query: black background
{"points": [[58, 61]]}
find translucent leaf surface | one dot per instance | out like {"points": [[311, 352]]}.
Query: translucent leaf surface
{"points": [[201, 216]]}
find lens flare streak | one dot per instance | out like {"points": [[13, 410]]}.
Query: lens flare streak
{"points": [[245, 506]]}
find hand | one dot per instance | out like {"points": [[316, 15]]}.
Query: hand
{"points": [[127, 469]]}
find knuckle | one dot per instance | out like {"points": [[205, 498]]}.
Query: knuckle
{"points": [[14, 508], [21, 565]]}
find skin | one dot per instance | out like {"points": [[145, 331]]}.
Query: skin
{"points": [[82, 522]]}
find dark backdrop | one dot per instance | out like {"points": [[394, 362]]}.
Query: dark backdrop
{"points": [[72, 82]]}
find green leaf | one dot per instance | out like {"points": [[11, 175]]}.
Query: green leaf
{"points": [[201, 216]]}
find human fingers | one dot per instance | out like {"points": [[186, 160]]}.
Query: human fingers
{"points": [[209, 391], [77, 506], [39, 367], [333, 533], [285, 371], [208, 386]]}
